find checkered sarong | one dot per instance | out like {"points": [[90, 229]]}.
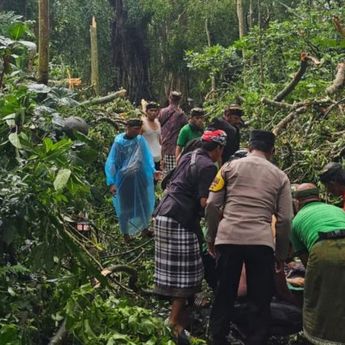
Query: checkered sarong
{"points": [[178, 265], [169, 163]]}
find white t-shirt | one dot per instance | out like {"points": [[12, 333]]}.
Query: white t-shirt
{"points": [[152, 137]]}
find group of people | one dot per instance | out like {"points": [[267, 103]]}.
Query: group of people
{"points": [[254, 220]]}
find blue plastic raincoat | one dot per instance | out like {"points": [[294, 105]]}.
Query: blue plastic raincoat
{"points": [[130, 168]]}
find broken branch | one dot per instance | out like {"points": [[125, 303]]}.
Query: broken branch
{"points": [[305, 57], [339, 80], [286, 120], [331, 107]]}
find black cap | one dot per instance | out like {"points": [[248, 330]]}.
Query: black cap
{"points": [[307, 193], [234, 109], [266, 137], [330, 172], [152, 105], [197, 112], [134, 123]]}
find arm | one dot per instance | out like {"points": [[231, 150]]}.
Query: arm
{"points": [[178, 152], [304, 256], [215, 202], [147, 155], [299, 249], [284, 216], [110, 168], [181, 141]]}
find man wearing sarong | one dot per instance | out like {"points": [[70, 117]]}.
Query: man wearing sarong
{"points": [[151, 131], [318, 238], [245, 194], [178, 263], [130, 175], [172, 119], [333, 177]]}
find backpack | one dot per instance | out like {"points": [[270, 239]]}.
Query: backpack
{"points": [[166, 180]]}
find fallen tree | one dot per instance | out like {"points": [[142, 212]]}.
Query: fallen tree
{"points": [[102, 100]]}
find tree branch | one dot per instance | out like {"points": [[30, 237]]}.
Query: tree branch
{"points": [[286, 120], [339, 80], [105, 99], [331, 107], [305, 57], [59, 335]]}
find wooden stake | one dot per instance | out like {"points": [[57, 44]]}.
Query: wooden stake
{"points": [[43, 41], [94, 57]]}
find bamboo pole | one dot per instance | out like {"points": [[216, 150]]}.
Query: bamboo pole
{"points": [[94, 56], [43, 41]]}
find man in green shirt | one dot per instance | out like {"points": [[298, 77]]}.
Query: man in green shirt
{"points": [[191, 130], [318, 238]]}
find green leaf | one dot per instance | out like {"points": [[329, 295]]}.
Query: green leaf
{"points": [[14, 140], [11, 291], [17, 30], [62, 178]]}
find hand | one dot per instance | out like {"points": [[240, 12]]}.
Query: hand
{"points": [[158, 175], [162, 165], [112, 190], [211, 249]]}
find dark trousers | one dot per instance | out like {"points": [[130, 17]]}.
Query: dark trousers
{"points": [[259, 262]]}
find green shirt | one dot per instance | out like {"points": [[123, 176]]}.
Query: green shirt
{"points": [[187, 133], [313, 218]]}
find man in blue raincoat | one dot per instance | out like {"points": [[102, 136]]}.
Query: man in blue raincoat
{"points": [[130, 175]]}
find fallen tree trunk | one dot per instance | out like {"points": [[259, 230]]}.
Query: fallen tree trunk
{"points": [[287, 119], [339, 80], [305, 57], [105, 99]]}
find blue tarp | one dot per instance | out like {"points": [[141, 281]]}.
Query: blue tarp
{"points": [[130, 168]]}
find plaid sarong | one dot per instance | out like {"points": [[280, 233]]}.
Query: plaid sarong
{"points": [[169, 163], [178, 265], [324, 290]]}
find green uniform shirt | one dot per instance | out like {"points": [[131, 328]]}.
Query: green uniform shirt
{"points": [[187, 133], [313, 218]]}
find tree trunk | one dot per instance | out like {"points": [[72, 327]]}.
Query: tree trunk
{"points": [[240, 17], [94, 57], [241, 28], [130, 54], [209, 43], [261, 64], [43, 41], [250, 15]]}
